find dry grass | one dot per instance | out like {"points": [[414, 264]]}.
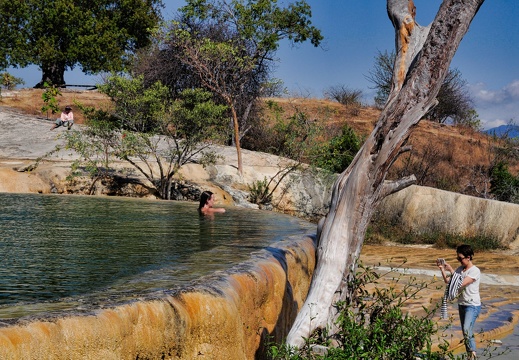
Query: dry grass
{"points": [[331, 113], [452, 158], [30, 101]]}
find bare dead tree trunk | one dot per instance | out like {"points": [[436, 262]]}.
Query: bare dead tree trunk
{"points": [[422, 61]]}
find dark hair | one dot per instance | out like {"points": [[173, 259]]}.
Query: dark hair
{"points": [[68, 108], [204, 197], [465, 250]]}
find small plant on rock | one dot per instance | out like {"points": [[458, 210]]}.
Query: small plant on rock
{"points": [[50, 99], [259, 192]]}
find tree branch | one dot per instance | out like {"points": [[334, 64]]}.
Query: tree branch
{"points": [[391, 187]]}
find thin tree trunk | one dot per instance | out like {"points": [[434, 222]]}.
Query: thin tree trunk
{"points": [[422, 61], [236, 128]]}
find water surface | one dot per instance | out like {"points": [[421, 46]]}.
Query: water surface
{"points": [[74, 252]]}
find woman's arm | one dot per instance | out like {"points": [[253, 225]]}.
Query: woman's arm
{"points": [[467, 281]]}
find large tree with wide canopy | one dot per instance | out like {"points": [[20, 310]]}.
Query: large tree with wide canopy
{"points": [[58, 35]]}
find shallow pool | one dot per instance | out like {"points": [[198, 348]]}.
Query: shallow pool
{"points": [[75, 252]]}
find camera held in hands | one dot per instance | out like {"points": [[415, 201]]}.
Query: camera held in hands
{"points": [[440, 261]]}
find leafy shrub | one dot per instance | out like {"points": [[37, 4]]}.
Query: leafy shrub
{"points": [[303, 139], [338, 152], [50, 99], [372, 324], [259, 192], [209, 158], [503, 185], [295, 136]]}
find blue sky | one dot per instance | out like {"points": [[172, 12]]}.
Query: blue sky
{"points": [[355, 30]]}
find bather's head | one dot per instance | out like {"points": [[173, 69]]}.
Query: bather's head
{"points": [[204, 199]]}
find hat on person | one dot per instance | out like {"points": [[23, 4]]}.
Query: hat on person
{"points": [[68, 108]]}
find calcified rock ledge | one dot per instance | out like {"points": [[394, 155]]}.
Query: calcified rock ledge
{"points": [[228, 315], [424, 209]]}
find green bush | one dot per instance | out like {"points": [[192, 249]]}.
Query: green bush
{"points": [[373, 324], [338, 152], [259, 192], [503, 185], [50, 99], [293, 136]]}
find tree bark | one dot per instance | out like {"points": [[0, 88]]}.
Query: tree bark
{"points": [[236, 128], [53, 74], [423, 56]]}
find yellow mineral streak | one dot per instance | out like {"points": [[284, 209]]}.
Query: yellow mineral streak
{"points": [[229, 319], [405, 32]]}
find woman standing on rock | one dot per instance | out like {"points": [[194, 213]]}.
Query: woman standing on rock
{"points": [[464, 284]]}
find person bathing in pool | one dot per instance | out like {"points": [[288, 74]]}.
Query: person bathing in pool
{"points": [[206, 204]]}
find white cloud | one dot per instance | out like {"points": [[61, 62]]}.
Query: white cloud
{"points": [[513, 89], [496, 107]]}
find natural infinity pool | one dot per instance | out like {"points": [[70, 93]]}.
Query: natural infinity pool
{"points": [[74, 252]]}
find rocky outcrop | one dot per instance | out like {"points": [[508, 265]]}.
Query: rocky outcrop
{"points": [[423, 209], [302, 193]]}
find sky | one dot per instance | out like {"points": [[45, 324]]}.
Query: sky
{"points": [[355, 31]]}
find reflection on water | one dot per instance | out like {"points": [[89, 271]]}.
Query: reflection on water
{"points": [[59, 252]]}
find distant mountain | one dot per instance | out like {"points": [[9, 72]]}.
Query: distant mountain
{"points": [[511, 130]]}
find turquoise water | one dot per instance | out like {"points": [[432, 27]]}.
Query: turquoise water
{"points": [[73, 252]]}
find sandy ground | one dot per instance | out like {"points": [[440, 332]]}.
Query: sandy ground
{"points": [[24, 138]]}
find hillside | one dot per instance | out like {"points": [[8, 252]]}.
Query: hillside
{"points": [[445, 157]]}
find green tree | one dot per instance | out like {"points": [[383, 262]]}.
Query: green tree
{"points": [[94, 145], [149, 130], [98, 35], [339, 151], [503, 185], [9, 81], [237, 63]]}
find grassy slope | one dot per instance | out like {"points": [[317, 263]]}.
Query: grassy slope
{"points": [[445, 157]]}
